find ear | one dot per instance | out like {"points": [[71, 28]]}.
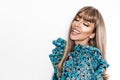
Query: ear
{"points": [[92, 36]]}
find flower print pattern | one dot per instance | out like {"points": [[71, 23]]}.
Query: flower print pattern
{"points": [[57, 53], [84, 63]]}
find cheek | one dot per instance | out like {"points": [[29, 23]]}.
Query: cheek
{"points": [[73, 24], [86, 31]]}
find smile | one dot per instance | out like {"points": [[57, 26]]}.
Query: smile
{"points": [[75, 31]]}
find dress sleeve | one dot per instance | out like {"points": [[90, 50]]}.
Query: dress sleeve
{"points": [[58, 51], [102, 65], [57, 54]]}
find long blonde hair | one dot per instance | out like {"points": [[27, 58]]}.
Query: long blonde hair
{"points": [[98, 41]]}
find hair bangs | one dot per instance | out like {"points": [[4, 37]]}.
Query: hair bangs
{"points": [[90, 15]]}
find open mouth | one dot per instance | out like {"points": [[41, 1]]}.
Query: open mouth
{"points": [[75, 31]]}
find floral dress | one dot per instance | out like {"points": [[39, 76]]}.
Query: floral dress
{"points": [[84, 63]]}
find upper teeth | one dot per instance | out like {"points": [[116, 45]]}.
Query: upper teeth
{"points": [[76, 31]]}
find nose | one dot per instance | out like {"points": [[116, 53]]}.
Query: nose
{"points": [[78, 23]]}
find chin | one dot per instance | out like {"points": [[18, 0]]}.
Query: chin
{"points": [[74, 37]]}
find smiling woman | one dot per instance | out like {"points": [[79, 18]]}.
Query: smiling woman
{"points": [[81, 29], [82, 56]]}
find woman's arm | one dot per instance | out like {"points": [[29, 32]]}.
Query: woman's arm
{"points": [[58, 51], [102, 64], [57, 54]]}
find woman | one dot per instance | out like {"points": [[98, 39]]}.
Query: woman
{"points": [[82, 56]]}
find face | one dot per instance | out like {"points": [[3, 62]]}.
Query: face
{"points": [[82, 31]]}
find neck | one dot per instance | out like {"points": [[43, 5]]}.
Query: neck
{"points": [[84, 42]]}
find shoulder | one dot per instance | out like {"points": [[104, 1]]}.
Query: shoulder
{"points": [[97, 52]]}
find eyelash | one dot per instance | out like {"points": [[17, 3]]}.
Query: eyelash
{"points": [[76, 19], [85, 25]]}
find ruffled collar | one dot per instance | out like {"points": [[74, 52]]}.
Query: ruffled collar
{"points": [[79, 50], [80, 46]]}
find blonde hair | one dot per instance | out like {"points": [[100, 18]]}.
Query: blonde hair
{"points": [[99, 41]]}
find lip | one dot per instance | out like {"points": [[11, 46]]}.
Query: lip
{"points": [[74, 30]]}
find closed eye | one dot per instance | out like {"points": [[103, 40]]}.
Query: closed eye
{"points": [[85, 24], [78, 18]]}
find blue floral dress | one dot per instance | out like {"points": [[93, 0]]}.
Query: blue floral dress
{"points": [[85, 63]]}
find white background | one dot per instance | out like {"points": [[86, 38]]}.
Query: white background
{"points": [[27, 28]]}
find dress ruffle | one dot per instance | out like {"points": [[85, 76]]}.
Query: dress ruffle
{"points": [[57, 52], [84, 63]]}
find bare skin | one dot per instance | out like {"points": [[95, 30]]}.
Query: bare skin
{"points": [[81, 31]]}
